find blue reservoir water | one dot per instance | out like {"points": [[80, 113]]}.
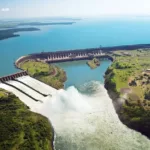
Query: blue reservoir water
{"points": [[82, 34], [78, 72]]}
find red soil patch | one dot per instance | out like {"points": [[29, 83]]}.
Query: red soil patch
{"points": [[125, 90]]}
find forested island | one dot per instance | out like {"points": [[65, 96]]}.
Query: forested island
{"points": [[45, 24], [128, 83], [94, 63], [13, 27], [15, 24], [9, 33]]}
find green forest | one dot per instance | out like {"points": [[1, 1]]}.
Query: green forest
{"points": [[20, 128]]}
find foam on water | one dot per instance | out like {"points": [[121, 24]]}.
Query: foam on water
{"points": [[89, 121], [85, 120]]}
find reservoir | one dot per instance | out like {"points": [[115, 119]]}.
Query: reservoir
{"points": [[85, 33]]}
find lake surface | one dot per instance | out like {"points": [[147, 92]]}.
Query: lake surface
{"points": [[82, 34], [78, 72]]}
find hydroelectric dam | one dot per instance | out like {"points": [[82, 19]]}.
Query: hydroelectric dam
{"points": [[22, 85], [28, 89], [64, 56]]}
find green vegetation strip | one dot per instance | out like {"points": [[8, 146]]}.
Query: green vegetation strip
{"points": [[21, 129]]}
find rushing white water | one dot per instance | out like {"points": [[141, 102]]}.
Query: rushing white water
{"points": [[85, 121]]}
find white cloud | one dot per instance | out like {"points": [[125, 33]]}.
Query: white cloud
{"points": [[5, 9], [74, 8]]}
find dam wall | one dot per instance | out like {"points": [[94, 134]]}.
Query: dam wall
{"points": [[26, 87], [13, 76], [77, 54], [63, 56]]}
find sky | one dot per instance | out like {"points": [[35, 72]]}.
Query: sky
{"points": [[72, 8]]}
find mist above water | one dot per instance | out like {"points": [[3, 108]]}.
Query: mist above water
{"points": [[83, 118], [87, 121]]}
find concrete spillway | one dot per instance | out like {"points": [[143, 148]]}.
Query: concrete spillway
{"points": [[26, 89], [30, 87], [24, 98], [37, 84], [22, 91], [29, 90]]}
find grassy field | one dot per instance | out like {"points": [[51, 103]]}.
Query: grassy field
{"points": [[49, 74], [128, 70], [21, 129], [127, 76]]}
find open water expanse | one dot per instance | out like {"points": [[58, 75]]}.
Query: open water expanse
{"points": [[82, 114], [83, 34]]}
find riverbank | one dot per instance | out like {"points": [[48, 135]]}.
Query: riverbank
{"points": [[20, 128], [128, 83]]}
